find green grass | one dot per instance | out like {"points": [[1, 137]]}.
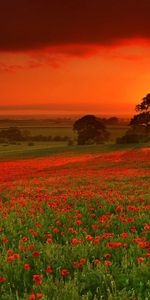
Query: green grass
{"points": [[23, 150]]}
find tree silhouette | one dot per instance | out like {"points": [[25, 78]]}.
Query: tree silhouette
{"points": [[12, 134], [140, 124], [143, 118], [145, 104], [90, 130]]}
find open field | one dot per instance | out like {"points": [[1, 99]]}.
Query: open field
{"points": [[58, 127], [75, 225], [40, 149], [115, 131], [24, 149]]}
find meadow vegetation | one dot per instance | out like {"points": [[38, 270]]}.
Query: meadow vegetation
{"points": [[76, 225]]}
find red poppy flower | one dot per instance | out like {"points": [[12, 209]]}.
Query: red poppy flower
{"points": [[140, 259], [75, 265], [124, 235], [35, 253], [9, 252], [27, 267], [64, 272], [4, 240], [2, 278], [49, 270], [39, 296], [82, 260], [78, 222], [107, 263], [107, 255], [32, 297], [48, 241], [96, 261]]}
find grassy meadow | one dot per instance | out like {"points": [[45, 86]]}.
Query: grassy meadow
{"points": [[75, 225], [74, 220]]}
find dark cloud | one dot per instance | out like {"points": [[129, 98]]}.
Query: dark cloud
{"points": [[35, 24]]}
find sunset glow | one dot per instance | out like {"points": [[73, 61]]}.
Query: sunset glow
{"points": [[95, 69], [75, 149]]}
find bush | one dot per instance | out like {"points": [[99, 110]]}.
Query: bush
{"points": [[128, 139], [13, 143], [66, 138], [70, 142], [57, 138], [12, 134], [31, 144]]}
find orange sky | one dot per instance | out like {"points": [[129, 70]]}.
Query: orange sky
{"points": [[75, 77]]}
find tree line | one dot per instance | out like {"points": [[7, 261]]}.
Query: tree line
{"points": [[92, 130], [15, 134], [140, 124]]}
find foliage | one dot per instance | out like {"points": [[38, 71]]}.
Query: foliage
{"points": [[145, 104], [11, 134], [128, 139], [143, 118], [90, 130], [133, 136], [70, 142], [112, 121], [140, 124], [15, 134]]}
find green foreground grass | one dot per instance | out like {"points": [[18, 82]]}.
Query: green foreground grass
{"points": [[39, 149]]}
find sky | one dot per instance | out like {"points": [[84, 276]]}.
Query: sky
{"points": [[74, 56]]}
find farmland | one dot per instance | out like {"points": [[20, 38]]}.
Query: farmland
{"points": [[75, 224], [59, 127], [60, 132]]}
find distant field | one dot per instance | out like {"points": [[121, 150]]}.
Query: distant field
{"points": [[55, 129], [115, 131], [52, 131], [58, 127]]}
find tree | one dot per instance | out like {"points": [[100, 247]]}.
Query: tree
{"points": [[145, 104], [112, 121], [140, 124], [12, 134], [90, 130], [143, 118]]}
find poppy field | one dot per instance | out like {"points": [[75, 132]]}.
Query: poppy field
{"points": [[76, 227]]}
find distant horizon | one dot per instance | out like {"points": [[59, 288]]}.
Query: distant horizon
{"points": [[66, 110], [61, 115]]}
